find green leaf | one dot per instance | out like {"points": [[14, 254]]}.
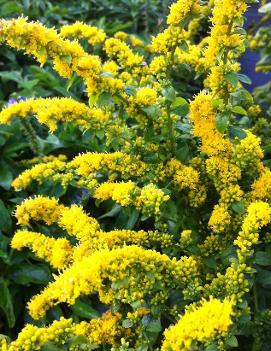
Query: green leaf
{"points": [[170, 94], [238, 132], [104, 99], [211, 348], [154, 326], [216, 102], [84, 310], [239, 207], [10, 7], [239, 110], [179, 101], [263, 258], [127, 323], [49, 346], [113, 212], [183, 46], [6, 303], [27, 273], [264, 278], [6, 222], [222, 122], [232, 341], [6, 177], [76, 341], [232, 77], [151, 111], [133, 217], [265, 8], [181, 110], [243, 78], [182, 153]]}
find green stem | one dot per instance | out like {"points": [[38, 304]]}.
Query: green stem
{"points": [[170, 132], [31, 136], [255, 298]]}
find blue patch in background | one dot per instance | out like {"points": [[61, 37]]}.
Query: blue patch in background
{"points": [[250, 58]]}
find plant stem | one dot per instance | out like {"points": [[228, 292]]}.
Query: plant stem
{"points": [[170, 132], [31, 136]]}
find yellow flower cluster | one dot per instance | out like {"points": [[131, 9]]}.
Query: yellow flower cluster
{"points": [[258, 215], [32, 338], [248, 151], [104, 330], [57, 252], [73, 219], [38, 173], [126, 268], [122, 193], [203, 117], [50, 111], [224, 36], [167, 41], [151, 199], [77, 223], [220, 219], [80, 30], [200, 325], [145, 97], [114, 164], [104, 272], [180, 9], [39, 208], [43, 43], [261, 188], [187, 178], [117, 49]]}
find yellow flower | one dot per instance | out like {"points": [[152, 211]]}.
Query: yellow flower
{"points": [[58, 252], [102, 271], [220, 219], [180, 9], [49, 111], [39, 208], [199, 325], [81, 30], [145, 96]]}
